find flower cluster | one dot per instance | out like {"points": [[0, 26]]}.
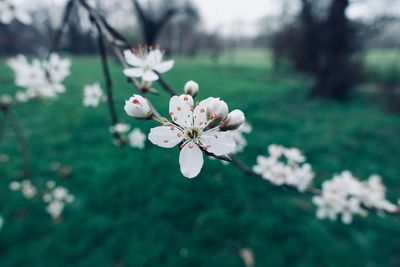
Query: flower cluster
{"points": [[346, 196], [41, 79], [26, 187], [92, 95], [146, 62], [11, 9], [56, 198], [285, 166]]}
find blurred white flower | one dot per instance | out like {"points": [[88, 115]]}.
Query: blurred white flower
{"points": [[238, 136], [138, 107], [146, 63], [41, 79], [345, 196], [57, 198], [26, 187], [92, 95], [1, 222], [11, 9], [285, 166], [191, 129], [137, 138], [120, 128]]}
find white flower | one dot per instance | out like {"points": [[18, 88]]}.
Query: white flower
{"points": [[57, 198], [120, 128], [11, 9], [147, 63], [191, 128], [191, 88], [284, 167], [346, 196], [234, 120], [41, 79], [138, 107], [15, 186], [92, 95], [55, 208], [137, 138]]}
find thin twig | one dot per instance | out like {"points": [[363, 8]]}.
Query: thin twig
{"points": [[23, 142], [108, 80], [166, 86], [55, 46]]}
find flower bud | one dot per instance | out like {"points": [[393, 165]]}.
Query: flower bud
{"points": [[234, 120], [138, 107], [191, 88], [217, 109]]}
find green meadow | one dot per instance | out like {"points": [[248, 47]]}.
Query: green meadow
{"points": [[134, 208]]}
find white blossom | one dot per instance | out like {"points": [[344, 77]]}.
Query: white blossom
{"points": [[11, 9], [26, 187], [285, 166], [92, 95], [137, 138], [41, 79], [146, 62], [345, 196], [138, 107], [120, 128], [56, 197], [190, 128]]}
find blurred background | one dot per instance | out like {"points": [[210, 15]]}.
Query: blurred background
{"points": [[322, 75]]}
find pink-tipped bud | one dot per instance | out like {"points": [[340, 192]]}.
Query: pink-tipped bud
{"points": [[234, 120], [191, 88], [138, 107]]}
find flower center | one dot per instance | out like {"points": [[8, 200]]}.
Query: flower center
{"points": [[192, 133]]}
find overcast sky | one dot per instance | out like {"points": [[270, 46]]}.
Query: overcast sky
{"points": [[230, 16]]}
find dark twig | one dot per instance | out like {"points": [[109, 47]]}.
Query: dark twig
{"points": [[23, 142], [166, 86], [108, 80], [55, 46]]}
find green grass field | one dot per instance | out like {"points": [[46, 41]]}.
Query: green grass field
{"points": [[133, 207]]}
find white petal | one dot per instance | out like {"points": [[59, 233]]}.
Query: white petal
{"points": [[150, 76], [191, 160], [155, 56], [180, 112], [165, 136], [132, 59], [24, 17], [218, 143], [200, 113], [133, 72], [164, 66]]}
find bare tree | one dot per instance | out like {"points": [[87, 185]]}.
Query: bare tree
{"points": [[152, 25]]}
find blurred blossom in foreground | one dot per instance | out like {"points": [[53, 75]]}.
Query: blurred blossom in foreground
{"points": [[92, 95], [56, 197], [11, 9], [346, 196], [137, 138], [285, 166], [41, 79]]}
